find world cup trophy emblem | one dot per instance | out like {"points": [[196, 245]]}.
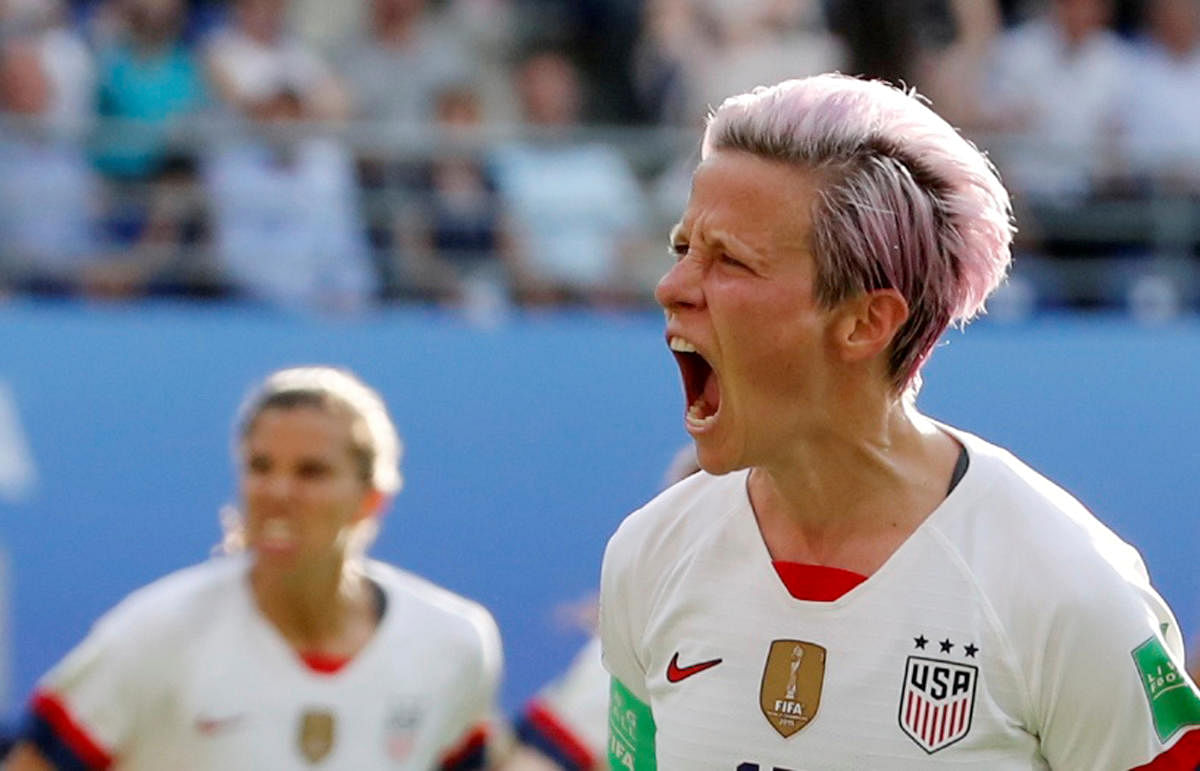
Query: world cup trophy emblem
{"points": [[791, 686], [316, 734]]}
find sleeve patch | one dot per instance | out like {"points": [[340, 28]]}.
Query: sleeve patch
{"points": [[631, 731], [1174, 699]]}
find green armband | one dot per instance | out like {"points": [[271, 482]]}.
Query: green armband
{"points": [[630, 731]]}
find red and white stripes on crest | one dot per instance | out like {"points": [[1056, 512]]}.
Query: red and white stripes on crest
{"points": [[933, 723]]}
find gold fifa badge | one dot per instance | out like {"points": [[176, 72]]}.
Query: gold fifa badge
{"points": [[791, 685], [316, 734]]}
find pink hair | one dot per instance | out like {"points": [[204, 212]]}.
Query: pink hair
{"points": [[906, 202]]}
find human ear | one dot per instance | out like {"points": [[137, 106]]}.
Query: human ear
{"points": [[372, 504], [869, 323]]}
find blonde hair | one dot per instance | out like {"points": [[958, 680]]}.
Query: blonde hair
{"points": [[375, 443]]}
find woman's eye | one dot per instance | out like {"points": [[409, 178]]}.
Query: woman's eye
{"points": [[732, 261], [313, 470], [678, 251]]}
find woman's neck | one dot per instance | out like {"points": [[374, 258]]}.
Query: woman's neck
{"points": [[850, 498], [328, 609]]}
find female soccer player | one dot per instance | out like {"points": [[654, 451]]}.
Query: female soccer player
{"points": [[851, 584], [296, 649]]}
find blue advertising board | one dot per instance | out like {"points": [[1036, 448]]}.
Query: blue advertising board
{"points": [[526, 443]]}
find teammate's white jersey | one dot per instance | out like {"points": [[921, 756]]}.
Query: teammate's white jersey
{"points": [[568, 718], [1011, 631], [187, 674]]}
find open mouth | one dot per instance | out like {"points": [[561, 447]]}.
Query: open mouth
{"points": [[275, 534], [701, 387]]}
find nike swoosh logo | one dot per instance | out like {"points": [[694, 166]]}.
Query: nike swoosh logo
{"points": [[209, 726], [675, 673]]}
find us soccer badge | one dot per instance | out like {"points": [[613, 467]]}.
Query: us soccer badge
{"points": [[937, 701], [400, 729], [791, 685], [316, 734]]}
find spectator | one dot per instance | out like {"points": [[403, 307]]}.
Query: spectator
{"points": [[286, 225], [600, 35], [456, 244], [672, 37], [397, 113], [250, 59], [488, 30], [889, 40], [285, 218], [1161, 138], [1057, 83], [48, 194], [327, 26], [402, 38], [760, 42], [939, 46], [951, 73], [66, 61], [148, 80], [1055, 87], [168, 254], [1163, 115], [692, 54], [578, 209]]}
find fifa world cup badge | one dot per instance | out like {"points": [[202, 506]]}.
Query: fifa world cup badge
{"points": [[316, 734], [791, 685]]}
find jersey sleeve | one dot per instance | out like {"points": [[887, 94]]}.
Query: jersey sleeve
{"points": [[469, 725], [568, 718], [1113, 691], [623, 601], [87, 707]]}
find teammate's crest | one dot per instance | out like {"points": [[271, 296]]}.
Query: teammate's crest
{"points": [[316, 736], [401, 727], [937, 701], [791, 685]]}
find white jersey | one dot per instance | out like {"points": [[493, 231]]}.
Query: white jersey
{"points": [[187, 674], [568, 718], [1012, 630]]}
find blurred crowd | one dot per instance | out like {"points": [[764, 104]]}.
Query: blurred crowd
{"points": [[517, 153]]}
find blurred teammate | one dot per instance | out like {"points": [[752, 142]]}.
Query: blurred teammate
{"points": [[564, 727], [851, 584], [301, 651]]}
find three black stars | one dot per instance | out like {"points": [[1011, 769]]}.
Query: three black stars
{"points": [[947, 646]]}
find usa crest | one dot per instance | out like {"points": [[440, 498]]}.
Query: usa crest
{"points": [[937, 701], [791, 685], [316, 734], [400, 729]]}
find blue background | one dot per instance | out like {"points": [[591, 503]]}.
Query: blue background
{"points": [[527, 442]]}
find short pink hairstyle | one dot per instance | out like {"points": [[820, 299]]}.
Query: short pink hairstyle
{"points": [[906, 202]]}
